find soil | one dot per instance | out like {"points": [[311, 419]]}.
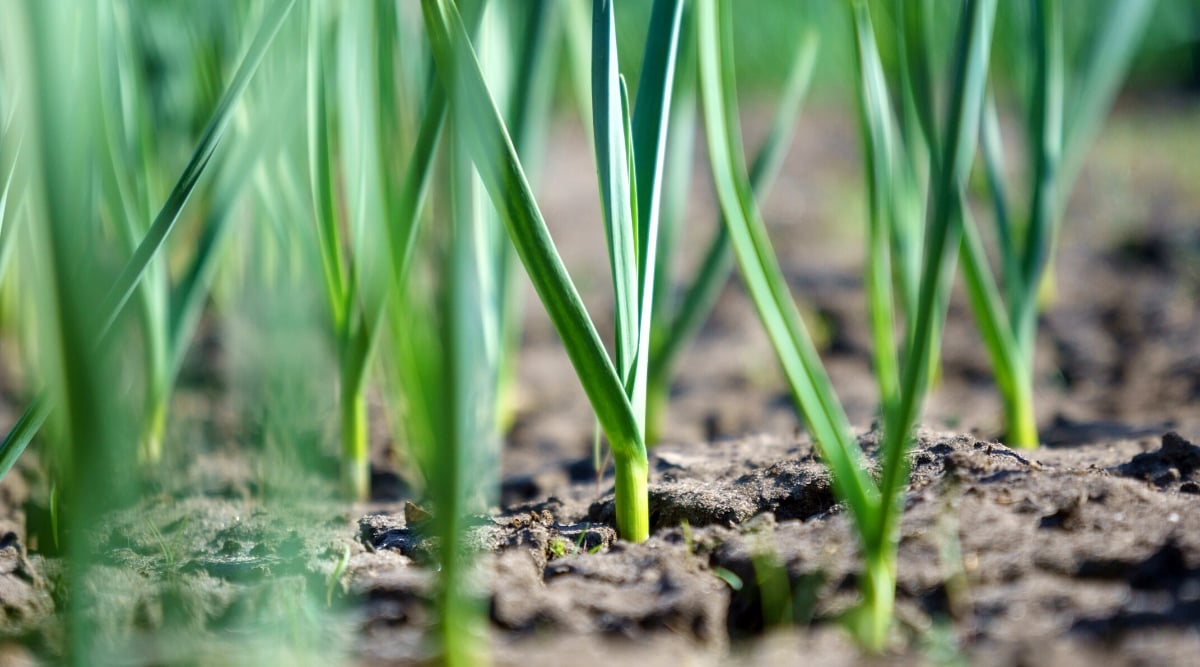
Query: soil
{"points": [[1085, 551]]}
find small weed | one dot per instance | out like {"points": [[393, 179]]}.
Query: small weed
{"points": [[559, 547], [336, 575]]}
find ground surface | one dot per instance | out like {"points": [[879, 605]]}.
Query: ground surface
{"points": [[1085, 551]]}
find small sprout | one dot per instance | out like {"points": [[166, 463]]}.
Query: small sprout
{"points": [[559, 547], [686, 528], [336, 575], [167, 552], [582, 537]]}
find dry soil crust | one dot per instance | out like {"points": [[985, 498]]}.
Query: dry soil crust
{"points": [[1008, 557], [1056, 557]]}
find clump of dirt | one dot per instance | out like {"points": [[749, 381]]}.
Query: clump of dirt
{"points": [[1174, 465]]}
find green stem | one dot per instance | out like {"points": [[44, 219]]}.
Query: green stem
{"points": [[154, 427], [632, 498], [871, 621], [460, 639], [1020, 417], [356, 467]]}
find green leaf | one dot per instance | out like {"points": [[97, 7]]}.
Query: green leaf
{"points": [[878, 128], [650, 124], [616, 184], [164, 222], [500, 170], [968, 86], [1107, 59], [321, 176], [764, 279]]}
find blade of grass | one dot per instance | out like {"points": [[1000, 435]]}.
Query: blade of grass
{"points": [[992, 147], [209, 140], [1107, 59], [191, 292], [127, 179], [529, 113], [10, 150], [320, 161], [1046, 130]]}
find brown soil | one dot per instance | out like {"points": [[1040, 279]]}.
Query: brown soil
{"points": [[1083, 552]]}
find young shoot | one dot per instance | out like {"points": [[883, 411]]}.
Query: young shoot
{"points": [[873, 506], [366, 216], [629, 155], [1006, 310]]}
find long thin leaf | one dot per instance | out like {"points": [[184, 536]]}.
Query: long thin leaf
{"points": [[164, 222], [1107, 59], [650, 123], [616, 183], [1046, 133], [882, 165], [761, 273], [498, 166], [942, 244], [321, 177]]}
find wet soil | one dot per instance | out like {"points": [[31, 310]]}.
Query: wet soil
{"points": [[1086, 551]]}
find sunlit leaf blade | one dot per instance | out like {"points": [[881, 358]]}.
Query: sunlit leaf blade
{"points": [[992, 147], [237, 168], [917, 66], [1107, 58], [616, 183], [988, 306], [498, 166], [649, 128], [6, 226], [321, 176], [1046, 132], [968, 85], [880, 137], [10, 150], [761, 273], [23, 431], [405, 224]]}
